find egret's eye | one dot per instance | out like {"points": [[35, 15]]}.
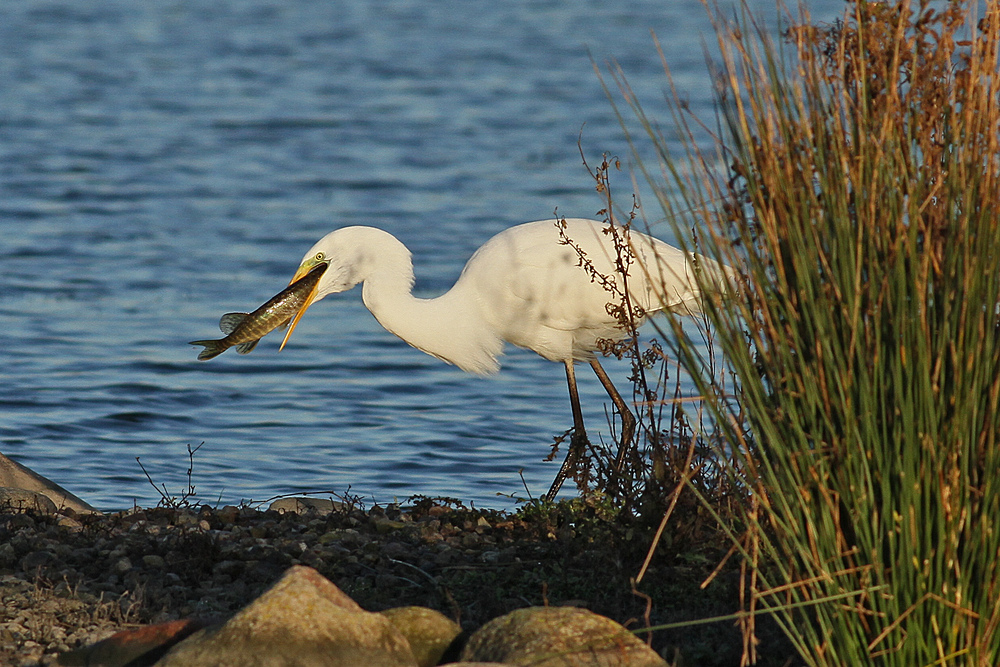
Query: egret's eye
{"points": [[319, 257]]}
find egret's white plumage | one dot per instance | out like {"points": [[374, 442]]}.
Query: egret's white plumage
{"points": [[526, 286]]}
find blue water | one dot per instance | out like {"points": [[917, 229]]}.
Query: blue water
{"points": [[164, 162]]}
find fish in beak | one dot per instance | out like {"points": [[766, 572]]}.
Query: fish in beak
{"points": [[299, 274], [244, 330]]}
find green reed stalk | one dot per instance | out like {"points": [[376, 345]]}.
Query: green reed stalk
{"points": [[860, 200]]}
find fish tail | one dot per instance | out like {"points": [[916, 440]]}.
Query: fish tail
{"points": [[213, 348]]}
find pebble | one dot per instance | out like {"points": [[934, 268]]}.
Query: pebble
{"points": [[121, 566], [35, 560], [153, 562]]}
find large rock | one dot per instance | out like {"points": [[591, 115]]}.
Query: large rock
{"points": [[16, 476], [301, 621], [558, 637], [429, 632]]}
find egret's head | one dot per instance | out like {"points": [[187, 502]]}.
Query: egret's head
{"points": [[337, 252]]}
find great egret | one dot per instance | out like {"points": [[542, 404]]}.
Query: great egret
{"points": [[545, 286]]}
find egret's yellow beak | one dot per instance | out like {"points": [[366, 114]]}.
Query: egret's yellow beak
{"points": [[306, 268]]}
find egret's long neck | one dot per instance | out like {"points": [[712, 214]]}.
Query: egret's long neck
{"points": [[449, 327]]}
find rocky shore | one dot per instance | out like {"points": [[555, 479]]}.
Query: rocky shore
{"points": [[70, 579]]}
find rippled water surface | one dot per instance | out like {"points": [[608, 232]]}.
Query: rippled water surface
{"points": [[164, 162]]}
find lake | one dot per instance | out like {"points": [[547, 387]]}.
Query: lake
{"points": [[165, 162]]}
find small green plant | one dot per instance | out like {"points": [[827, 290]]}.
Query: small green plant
{"points": [[855, 181]]}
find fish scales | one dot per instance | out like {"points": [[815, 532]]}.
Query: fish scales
{"points": [[243, 331]]}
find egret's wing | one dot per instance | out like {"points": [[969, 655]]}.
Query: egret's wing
{"points": [[537, 276]]}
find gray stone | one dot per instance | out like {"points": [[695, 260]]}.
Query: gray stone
{"points": [[15, 475], [303, 620], [321, 506], [559, 637]]}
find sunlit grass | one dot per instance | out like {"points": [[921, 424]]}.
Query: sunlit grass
{"points": [[860, 203]]}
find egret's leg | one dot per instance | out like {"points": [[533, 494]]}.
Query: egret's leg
{"points": [[579, 439], [628, 419]]}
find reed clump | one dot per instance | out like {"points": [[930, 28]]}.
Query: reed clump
{"points": [[854, 183]]}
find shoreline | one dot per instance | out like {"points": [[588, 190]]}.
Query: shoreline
{"points": [[69, 581]]}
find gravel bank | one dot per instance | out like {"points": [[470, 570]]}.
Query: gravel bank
{"points": [[70, 581]]}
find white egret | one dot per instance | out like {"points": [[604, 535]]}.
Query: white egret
{"points": [[545, 286]]}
